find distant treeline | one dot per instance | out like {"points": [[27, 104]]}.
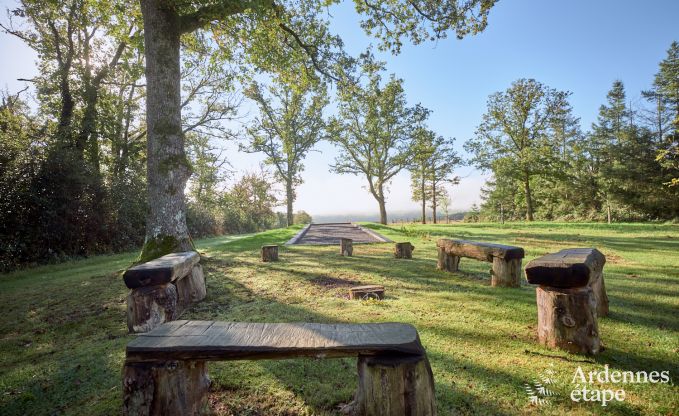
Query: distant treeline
{"points": [[625, 168]]}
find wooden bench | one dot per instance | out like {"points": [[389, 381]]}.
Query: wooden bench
{"points": [[506, 260], [571, 268], [162, 288], [165, 370], [570, 297]]}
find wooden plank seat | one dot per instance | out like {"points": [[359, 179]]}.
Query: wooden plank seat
{"points": [[572, 268], [506, 270], [570, 297], [165, 371], [162, 288]]}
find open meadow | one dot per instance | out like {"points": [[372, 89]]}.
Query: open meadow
{"points": [[63, 332]]}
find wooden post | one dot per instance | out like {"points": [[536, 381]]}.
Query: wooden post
{"points": [[191, 288], [394, 386], [403, 250], [567, 319], [172, 388], [446, 261], [346, 247], [269, 253], [150, 306], [506, 273]]}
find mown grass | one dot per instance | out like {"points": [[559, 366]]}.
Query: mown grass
{"points": [[63, 332]]}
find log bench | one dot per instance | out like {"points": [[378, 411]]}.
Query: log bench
{"points": [[165, 370], [506, 260], [162, 288], [570, 297]]}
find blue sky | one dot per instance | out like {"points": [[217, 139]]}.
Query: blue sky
{"points": [[579, 46]]}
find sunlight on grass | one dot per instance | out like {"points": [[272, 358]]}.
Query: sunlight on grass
{"points": [[63, 334]]}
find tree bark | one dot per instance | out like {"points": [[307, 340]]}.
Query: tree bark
{"points": [[346, 247], [171, 388], [289, 197], [269, 253], [424, 200], [168, 168], [447, 261], [506, 273], [151, 306], [403, 250], [567, 319], [433, 202], [529, 199], [394, 386]]}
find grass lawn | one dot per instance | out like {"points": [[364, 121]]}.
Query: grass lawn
{"points": [[63, 331]]}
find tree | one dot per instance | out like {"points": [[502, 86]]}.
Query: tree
{"points": [[441, 167], [275, 33], [665, 93], [302, 217], [422, 152], [288, 127], [517, 133], [433, 162], [375, 130]]}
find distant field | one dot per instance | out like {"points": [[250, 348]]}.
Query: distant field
{"points": [[63, 332]]}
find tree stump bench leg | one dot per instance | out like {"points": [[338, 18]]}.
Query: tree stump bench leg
{"points": [[403, 250], [191, 288], [506, 273], [269, 253], [346, 247], [567, 319], [170, 388], [394, 386], [599, 289], [150, 306], [447, 261]]}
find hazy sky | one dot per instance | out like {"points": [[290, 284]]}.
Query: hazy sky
{"points": [[580, 46]]}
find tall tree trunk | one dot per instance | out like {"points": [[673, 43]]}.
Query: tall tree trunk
{"points": [[168, 168], [433, 201], [289, 197], [424, 199], [529, 198], [608, 210], [382, 203]]}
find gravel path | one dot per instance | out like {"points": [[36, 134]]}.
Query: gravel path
{"points": [[327, 234]]}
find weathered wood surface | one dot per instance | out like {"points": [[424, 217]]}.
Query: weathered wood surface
{"points": [[191, 288], [403, 250], [346, 247], [366, 292], [162, 270], [600, 296], [173, 388], [393, 386], [567, 319], [209, 340], [446, 261], [269, 253], [573, 267], [479, 250], [505, 273], [151, 306]]}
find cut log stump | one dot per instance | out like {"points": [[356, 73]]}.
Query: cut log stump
{"points": [[567, 319], [393, 386], [346, 247], [446, 261], [506, 273], [148, 307], [599, 289], [269, 253], [191, 288], [404, 250], [366, 292], [171, 388]]}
